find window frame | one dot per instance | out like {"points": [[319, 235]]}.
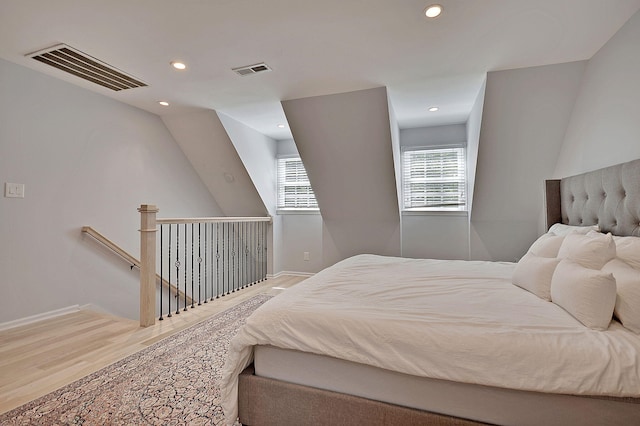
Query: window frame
{"points": [[460, 209], [292, 209]]}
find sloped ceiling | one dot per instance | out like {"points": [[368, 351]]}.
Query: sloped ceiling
{"points": [[205, 142], [524, 121], [345, 143]]}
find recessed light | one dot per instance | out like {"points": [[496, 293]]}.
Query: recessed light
{"points": [[178, 65], [433, 11], [163, 103], [281, 126], [434, 109]]}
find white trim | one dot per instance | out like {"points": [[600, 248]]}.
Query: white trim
{"points": [[435, 146], [101, 310], [434, 212], [291, 174], [287, 156], [298, 211], [39, 317], [411, 158], [293, 273]]}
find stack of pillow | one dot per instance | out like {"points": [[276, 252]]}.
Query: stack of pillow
{"points": [[589, 274]]}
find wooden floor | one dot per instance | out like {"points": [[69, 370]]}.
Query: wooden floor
{"points": [[38, 358]]}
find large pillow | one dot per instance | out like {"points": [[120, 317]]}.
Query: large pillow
{"points": [[591, 251], [533, 273], [627, 308], [547, 245], [587, 294], [628, 249], [564, 230]]}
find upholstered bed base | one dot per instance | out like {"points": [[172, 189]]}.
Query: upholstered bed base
{"points": [[269, 402], [486, 404]]}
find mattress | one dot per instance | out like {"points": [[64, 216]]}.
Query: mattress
{"points": [[481, 403], [459, 321]]}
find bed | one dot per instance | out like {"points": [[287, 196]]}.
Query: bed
{"points": [[390, 341]]}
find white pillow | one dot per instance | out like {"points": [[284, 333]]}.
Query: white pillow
{"points": [[628, 249], [564, 230], [627, 308], [588, 295], [547, 245], [591, 251], [533, 273]]}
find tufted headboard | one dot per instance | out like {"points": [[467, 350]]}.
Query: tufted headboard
{"points": [[609, 197]]}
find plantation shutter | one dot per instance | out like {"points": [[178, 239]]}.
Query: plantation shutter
{"points": [[294, 189], [434, 178]]}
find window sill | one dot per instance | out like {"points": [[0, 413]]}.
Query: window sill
{"points": [[298, 211], [438, 212]]}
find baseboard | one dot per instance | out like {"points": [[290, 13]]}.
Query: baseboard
{"points": [[39, 317], [293, 273], [96, 308]]}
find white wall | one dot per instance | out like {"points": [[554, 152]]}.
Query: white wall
{"points": [[85, 160], [286, 147], [474, 123], [605, 125], [257, 153], [435, 135], [524, 120], [300, 232], [397, 163], [434, 235]]}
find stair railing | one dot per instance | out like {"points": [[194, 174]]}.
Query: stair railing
{"points": [[130, 259], [205, 258]]}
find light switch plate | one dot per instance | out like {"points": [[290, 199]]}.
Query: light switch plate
{"points": [[14, 190]]}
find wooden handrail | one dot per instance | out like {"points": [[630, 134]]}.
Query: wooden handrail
{"points": [[214, 220], [129, 258], [111, 246]]}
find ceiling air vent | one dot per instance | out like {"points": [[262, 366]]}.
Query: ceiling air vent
{"points": [[81, 65], [251, 69]]}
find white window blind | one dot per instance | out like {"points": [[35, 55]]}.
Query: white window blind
{"points": [[294, 189], [434, 178]]}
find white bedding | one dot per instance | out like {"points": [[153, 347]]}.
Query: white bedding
{"points": [[453, 320]]}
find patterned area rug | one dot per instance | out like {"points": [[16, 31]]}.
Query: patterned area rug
{"points": [[173, 382]]}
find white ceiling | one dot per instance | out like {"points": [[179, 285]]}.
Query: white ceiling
{"points": [[313, 47]]}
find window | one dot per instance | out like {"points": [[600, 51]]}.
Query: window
{"points": [[294, 189], [434, 179]]}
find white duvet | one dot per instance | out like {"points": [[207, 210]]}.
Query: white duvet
{"points": [[454, 320]]}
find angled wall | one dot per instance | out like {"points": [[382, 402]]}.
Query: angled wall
{"points": [[257, 153], [474, 124], [205, 142], [604, 129], [345, 143], [524, 120]]}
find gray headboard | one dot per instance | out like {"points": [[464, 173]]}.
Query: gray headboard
{"points": [[609, 197]]}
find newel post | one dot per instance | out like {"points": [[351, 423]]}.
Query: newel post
{"points": [[147, 264]]}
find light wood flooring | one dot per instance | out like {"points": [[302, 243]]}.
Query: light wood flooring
{"points": [[38, 358]]}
